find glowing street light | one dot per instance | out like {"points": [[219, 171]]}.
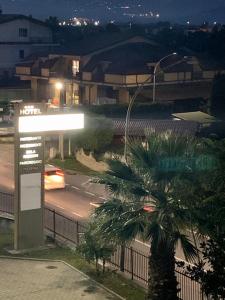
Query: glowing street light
{"points": [[59, 85]]}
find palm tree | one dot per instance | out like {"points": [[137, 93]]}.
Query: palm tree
{"points": [[144, 202]]}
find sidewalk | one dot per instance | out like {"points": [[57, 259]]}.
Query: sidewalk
{"points": [[26, 279]]}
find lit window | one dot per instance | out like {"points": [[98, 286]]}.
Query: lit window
{"points": [[75, 67], [23, 32]]}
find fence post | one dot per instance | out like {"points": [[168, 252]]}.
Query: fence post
{"points": [[122, 257], [132, 262], [77, 232], [54, 233], [202, 294]]}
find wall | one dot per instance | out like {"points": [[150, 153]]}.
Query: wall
{"points": [[9, 54], [209, 74], [23, 70], [123, 95], [90, 162], [45, 72], [86, 76], [111, 78], [34, 31]]}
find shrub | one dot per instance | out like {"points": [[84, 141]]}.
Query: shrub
{"points": [[96, 136]]}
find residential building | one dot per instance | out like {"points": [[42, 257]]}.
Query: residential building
{"points": [[21, 36], [100, 73]]}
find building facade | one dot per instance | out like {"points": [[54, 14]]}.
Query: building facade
{"points": [[20, 36], [113, 73]]}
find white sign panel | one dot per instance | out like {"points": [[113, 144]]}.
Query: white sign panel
{"points": [[30, 192], [42, 123]]}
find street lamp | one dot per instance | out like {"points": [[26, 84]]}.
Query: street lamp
{"points": [[154, 73], [140, 87], [59, 86]]}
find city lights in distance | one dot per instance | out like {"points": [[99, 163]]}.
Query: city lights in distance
{"points": [[47, 123]]}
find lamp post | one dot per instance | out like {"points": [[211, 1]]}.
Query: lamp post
{"points": [[154, 73], [140, 87], [59, 86]]}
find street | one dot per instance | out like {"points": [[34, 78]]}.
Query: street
{"points": [[74, 201]]}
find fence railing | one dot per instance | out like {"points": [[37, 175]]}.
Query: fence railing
{"points": [[135, 262]]}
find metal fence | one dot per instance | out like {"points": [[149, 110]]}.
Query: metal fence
{"points": [[135, 262], [6, 203]]}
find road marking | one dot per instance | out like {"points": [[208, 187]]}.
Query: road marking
{"points": [[75, 187], [89, 193], [147, 245], [74, 213], [103, 198], [87, 182], [67, 184], [60, 206], [94, 204]]}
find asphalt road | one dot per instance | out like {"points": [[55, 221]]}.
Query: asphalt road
{"points": [[74, 201]]}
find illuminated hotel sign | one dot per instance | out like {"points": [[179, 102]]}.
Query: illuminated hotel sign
{"points": [[31, 122], [30, 144]]}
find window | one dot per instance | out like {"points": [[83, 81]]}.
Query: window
{"points": [[21, 54], [23, 32], [75, 67]]}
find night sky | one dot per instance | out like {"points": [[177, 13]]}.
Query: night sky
{"points": [[173, 10]]}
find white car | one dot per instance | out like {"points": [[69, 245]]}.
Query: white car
{"points": [[54, 178]]}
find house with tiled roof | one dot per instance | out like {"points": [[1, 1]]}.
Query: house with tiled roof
{"points": [[100, 70], [21, 36]]}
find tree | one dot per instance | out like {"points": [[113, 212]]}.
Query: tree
{"points": [[52, 22], [208, 214], [96, 136], [111, 27], [212, 279], [144, 203], [217, 106], [95, 248]]}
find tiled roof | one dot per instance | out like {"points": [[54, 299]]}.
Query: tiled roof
{"points": [[94, 43], [139, 127], [49, 63], [25, 64], [131, 58]]}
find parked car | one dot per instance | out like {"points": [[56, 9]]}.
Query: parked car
{"points": [[54, 178]]}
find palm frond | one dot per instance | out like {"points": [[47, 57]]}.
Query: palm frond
{"points": [[190, 251]]}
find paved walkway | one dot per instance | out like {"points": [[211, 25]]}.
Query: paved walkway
{"points": [[47, 280]]}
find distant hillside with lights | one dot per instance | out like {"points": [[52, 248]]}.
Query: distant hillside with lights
{"points": [[196, 11]]}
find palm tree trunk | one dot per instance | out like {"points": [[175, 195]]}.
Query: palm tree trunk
{"points": [[162, 282]]}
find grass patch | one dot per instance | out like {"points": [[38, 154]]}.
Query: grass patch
{"points": [[110, 279], [73, 165]]}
